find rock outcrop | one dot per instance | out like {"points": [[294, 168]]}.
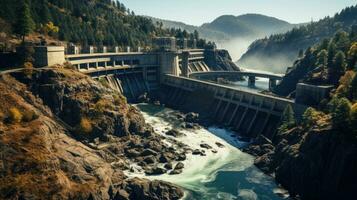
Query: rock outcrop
{"points": [[46, 154], [318, 163]]}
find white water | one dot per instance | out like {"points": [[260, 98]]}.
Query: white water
{"points": [[227, 174]]}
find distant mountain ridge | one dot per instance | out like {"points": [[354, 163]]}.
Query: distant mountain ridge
{"points": [[277, 52], [246, 25], [234, 33]]}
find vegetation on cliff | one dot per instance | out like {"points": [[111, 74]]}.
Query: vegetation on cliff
{"points": [[315, 158], [330, 62], [277, 52]]}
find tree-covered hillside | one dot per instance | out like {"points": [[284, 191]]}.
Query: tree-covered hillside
{"points": [[331, 62], [277, 52], [92, 22]]}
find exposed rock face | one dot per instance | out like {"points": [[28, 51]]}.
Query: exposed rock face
{"points": [[43, 158], [318, 163], [154, 190], [220, 60], [72, 96]]}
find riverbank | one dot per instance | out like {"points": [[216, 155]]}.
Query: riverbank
{"points": [[219, 171]]}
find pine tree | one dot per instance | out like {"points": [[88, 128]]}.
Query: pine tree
{"points": [[25, 24], [287, 119], [44, 12], [354, 88], [338, 68], [341, 114], [288, 116]]}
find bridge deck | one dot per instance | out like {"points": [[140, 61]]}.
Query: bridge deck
{"points": [[236, 73]]}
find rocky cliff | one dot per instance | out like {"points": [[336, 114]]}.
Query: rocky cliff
{"points": [[314, 163], [65, 136], [220, 60]]}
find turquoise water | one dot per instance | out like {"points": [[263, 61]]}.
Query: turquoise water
{"points": [[228, 174]]}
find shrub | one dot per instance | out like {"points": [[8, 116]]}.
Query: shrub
{"points": [[2, 116], [104, 82], [29, 116], [288, 119], [311, 116], [341, 114], [119, 99], [353, 116], [15, 115], [101, 105], [85, 126], [28, 69], [68, 65]]}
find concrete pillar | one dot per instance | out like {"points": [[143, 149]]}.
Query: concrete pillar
{"points": [[103, 49], [194, 44], [91, 49], [185, 63], [272, 84], [116, 49], [87, 66], [139, 49], [251, 81], [49, 55], [169, 63], [73, 49], [184, 44], [96, 65], [128, 49]]}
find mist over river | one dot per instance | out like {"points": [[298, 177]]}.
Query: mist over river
{"points": [[224, 173]]}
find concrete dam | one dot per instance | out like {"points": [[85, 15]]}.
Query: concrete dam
{"points": [[174, 74]]}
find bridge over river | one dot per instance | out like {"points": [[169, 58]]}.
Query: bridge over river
{"points": [[273, 78], [175, 73]]}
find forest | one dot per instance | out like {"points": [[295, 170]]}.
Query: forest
{"points": [[87, 22]]}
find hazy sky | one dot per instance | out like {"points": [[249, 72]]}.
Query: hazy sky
{"points": [[197, 12]]}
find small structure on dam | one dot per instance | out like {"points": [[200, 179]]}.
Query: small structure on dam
{"points": [[175, 72]]}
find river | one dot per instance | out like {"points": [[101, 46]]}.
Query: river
{"points": [[227, 174]]}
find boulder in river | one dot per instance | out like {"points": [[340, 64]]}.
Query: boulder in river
{"points": [[174, 133], [219, 145], [155, 170], [179, 165], [192, 117], [205, 146]]}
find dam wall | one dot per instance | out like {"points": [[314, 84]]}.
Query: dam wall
{"points": [[248, 113]]}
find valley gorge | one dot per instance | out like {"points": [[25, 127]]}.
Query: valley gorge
{"points": [[100, 103]]}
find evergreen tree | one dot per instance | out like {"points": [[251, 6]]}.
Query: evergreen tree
{"points": [[331, 54], [352, 56], [24, 25], [44, 12], [288, 116], [288, 119], [301, 53], [341, 114], [353, 116], [338, 68], [322, 59], [354, 88]]}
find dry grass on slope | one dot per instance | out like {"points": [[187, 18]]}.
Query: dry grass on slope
{"points": [[30, 156]]}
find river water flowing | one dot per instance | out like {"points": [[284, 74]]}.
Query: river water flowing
{"points": [[227, 174]]}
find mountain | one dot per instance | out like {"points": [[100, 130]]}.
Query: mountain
{"points": [[234, 33], [248, 25], [277, 52]]}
